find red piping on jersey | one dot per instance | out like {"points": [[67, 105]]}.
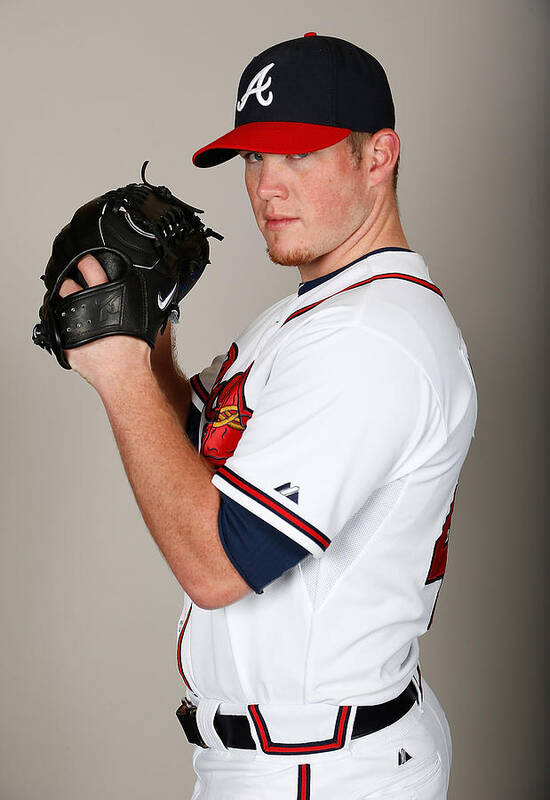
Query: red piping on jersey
{"points": [[180, 640], [199, 389], [397, 275], [304, 781], [250, 490], [335, 743]]}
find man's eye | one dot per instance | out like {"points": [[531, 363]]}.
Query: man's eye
{"points": [[252, 157], [298, 155]]}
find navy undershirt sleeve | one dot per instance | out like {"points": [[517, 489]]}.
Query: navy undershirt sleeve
{"points": [[258, 551], [193, 424]]}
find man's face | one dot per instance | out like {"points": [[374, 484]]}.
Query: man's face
{"points": [[307, 205]]}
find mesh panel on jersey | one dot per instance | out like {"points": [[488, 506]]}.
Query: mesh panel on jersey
{"points": [[320, 575]]}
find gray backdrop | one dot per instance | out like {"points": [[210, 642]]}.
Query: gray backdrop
{"points": [[89, 609]]}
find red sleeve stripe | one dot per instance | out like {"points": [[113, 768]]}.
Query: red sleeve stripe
{"points": [[335, 743], [180, 641], [397, 275], [198, 388], [304, 782], [277, 508]]}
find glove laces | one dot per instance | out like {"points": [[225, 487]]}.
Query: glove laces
{"points": [[171, 225]]}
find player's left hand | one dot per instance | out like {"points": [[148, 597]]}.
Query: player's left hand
{"points": [[143, 250], [112, 357]]}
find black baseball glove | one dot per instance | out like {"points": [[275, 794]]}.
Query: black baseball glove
{"points": [[153, 248]]}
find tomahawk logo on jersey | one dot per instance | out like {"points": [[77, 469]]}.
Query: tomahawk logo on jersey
{"points": [[370, 350], [225, 413]]}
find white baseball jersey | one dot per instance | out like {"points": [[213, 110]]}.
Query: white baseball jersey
{"points": [[341, 417]]}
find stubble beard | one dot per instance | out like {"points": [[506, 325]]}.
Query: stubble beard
{"points": [[291, 258]]}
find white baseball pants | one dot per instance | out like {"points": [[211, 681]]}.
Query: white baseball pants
{"points": [[408, 760]]}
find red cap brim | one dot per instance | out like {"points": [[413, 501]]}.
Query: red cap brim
{"points": [[269, 137]]}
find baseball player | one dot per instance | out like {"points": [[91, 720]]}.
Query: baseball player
{"points": [[301, 487]]}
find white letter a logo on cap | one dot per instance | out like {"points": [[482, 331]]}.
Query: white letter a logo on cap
{"points": [[257, 85]]}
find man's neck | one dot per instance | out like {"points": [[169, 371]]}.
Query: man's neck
{"points": [[381, 229]]}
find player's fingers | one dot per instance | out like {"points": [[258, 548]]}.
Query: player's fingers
{"points": [[69, 287], [91, 270]]}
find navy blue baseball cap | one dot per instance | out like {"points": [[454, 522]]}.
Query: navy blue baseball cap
{"points": [[303, 95]]}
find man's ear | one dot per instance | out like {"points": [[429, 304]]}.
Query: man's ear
{"points": [[381, 153]]}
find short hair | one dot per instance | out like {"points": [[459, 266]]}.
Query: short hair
{"points": [[356, 141]]}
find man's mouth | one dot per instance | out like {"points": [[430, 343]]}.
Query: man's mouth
{"points": [[277, 222]]}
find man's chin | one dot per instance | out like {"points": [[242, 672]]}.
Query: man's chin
{"points": [[290, 258]]}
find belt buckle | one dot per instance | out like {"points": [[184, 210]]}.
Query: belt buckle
{"points": [[187, 715]]}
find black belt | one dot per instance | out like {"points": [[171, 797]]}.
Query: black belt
{"points": [[234, 730]]}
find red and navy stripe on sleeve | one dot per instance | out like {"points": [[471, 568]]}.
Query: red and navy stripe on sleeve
{"points": [[248, 489]]}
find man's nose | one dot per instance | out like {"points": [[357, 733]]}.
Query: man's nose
{"points": [[271, 183]]}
